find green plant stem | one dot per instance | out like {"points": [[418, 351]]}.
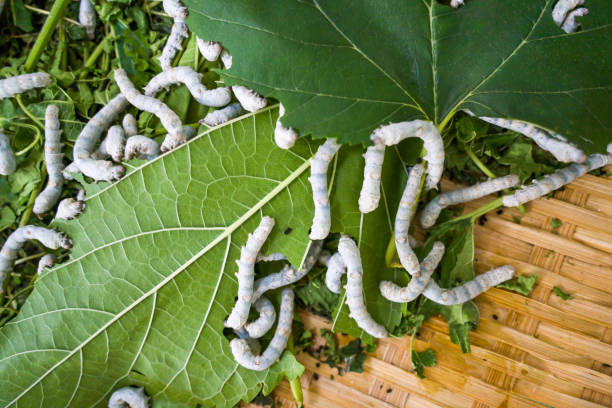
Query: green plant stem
{"points": [[27, 214], [56, 13], [478, 162], [296, 385], [28, 113], [34, 142], [490, 206], [94, 55]]}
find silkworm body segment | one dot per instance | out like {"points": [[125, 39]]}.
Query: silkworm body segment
{"points": [[141, 147], [284, 137], [220, 116], [131, 396], [8, 163], [10, 87], [321, 222], [265, 321], [210, 50], [405, 211], [335, 270], [369, 196], [53, 160]]}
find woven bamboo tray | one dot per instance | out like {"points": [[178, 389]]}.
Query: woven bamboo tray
{"points": [[528, 351]]}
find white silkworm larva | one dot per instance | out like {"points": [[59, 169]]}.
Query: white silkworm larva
{"points": [[321, 222], [335, 270], [47, 261], [131, 397], [10, 87], [243, 354], [570, 24], [130, 125], [175, 9], [563, 151], [220, 116], [53, 160], [468, 290], [112, 146], [49, 238], [250, 100], [210, 50], [169, 119], [354, 288], [265, 321], [554, 181], [277, 256], [69, 209], [70, 169], [562, 8], [434, 207], [189, 132], [394, 133], [246, 273], [89, 137], [369, 196], [405, 211], [288, 274], [284, 137], [87, 17], [193, 81], [8, 163], [417, 284], [141, 147], [179, 31], [226, 59], [254, 344], [456, 3]]}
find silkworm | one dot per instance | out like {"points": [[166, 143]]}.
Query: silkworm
{"points": [[570, 24], [112, 146], [226, 59], [220, 116], [175, 9], [335, 270], [354, 288], [179, 31], [285, 137], [141, 147], [265, 321], [250, 100], [69, 209], [456, 3], [253, 344], [246, 273], [277, 256], [69, 170], [130, 125], [49, 238], [394, 133], [562, 8], [288, 274], [321, 222], [405, 211], [131, 396], [88, 138], [554, 181], [53, 160], [434, 207], [244, 355], [8, 163], [210, 50], [468, 290], [12, 86], [417, 284], [47, 261], [193, 81], [369, 196], [169, 119], [189, 132], [87, 17]]}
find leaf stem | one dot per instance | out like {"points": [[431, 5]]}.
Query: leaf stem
{"points": [[94, 55], [27, 214], [56, 13], [296, 385], [478, 162], [28, 113]]}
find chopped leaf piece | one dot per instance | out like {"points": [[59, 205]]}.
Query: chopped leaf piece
{"points": [[559, 292], [556, 223], [523, 284], [422, 359]]}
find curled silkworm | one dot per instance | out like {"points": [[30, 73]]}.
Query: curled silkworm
{"points": [[131, 397], [456, 3], [468, 290], [418, 282], [130, 125], [370, 190], [265, 321], [8, 164], [193, 81], [226, 59], [243, 354], [432, 209], [250, 100], [405, 211], [10, 87], [89, 137], [254, 344], [554, 181], [87, 17], [432, 142], [246, 273], [354, 288], [69, 209], [321, 222], [283, 136], [47, 261], [335, 270], [141, 147], [288, 274], [112, 146], [49, 238], [564, 14], [53, 160], [179, 31], [169, 119], [219, 116], [276, 256], [175, 9], [570, 24], [210, 50]]}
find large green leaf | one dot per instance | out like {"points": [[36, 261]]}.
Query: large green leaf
{"points": [[150, 280], [343, 67]]}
